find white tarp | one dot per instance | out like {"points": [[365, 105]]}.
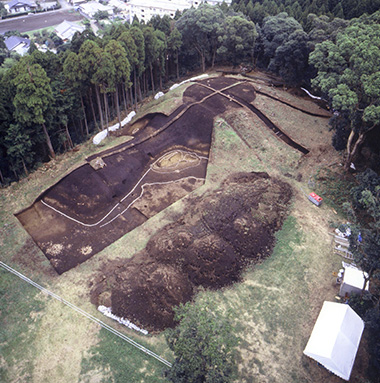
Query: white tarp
{"points": [[98, 138], [128, 118], [107, 311], [174, 86], [158, 95], [311, 95], [335, 338], [189, 80]]}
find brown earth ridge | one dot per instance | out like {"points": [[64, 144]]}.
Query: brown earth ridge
{"points": [[221, 233]]}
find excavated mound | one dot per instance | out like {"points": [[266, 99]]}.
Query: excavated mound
{"points": [[221, 232]]}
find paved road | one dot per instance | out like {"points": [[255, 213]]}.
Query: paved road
{"points": [[39, 20]]}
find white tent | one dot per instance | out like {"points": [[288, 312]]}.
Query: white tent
{"points": [[335, 338], [353, 281]]}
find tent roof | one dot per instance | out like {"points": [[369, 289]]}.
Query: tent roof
{"points": [[354, 277], [335, 338]]}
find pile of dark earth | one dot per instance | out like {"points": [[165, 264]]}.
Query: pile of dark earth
{"points": [[220, 233]]}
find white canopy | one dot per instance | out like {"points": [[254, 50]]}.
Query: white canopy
{"points": [[353, 281], [335, 338]]}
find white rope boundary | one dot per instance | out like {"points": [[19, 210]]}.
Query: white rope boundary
{"points": [[173, 152], [142, 192], [87, 315]]}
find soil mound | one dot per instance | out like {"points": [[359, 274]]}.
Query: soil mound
{"points": [[220, 234]]}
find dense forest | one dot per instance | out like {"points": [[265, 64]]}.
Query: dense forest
{"points": [[51, 102], [301, 9]]}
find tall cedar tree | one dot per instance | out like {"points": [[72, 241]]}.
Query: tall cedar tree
{"points": [[33, 97]]}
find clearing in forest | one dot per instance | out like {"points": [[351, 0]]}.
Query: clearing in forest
{"points": [[117, 190], [167, 158], [277, 298]]}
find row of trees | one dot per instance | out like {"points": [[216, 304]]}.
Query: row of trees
{"points": [[257, 10], [51, 102], [92, 79]]}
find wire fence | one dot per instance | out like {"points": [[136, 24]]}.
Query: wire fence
{"points": [[87, 315]]}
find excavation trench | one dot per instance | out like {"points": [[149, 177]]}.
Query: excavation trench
{"points": [[89, 208], [277, 131], [293, 106], [207, 244]]}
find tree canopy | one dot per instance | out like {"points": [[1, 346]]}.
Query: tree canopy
{"points": [[300, 9], [103, 75], [237, 39], [203, 343], [200, 30], [349, 75]]}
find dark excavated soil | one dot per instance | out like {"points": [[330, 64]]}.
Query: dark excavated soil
{"points": [[209, 246], [66, 221], [86, 195]]}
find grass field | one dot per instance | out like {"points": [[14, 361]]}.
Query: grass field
{"points": [[274, 307]]}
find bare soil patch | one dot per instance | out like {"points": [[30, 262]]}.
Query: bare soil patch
{"points": [[89, 209], [167, 158], [209, 246], [277, 301]]}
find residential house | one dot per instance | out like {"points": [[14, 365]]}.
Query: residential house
{"points": [[17, 44], [48, 5], [196, 3], [89, 9], [77, 2], [18, 6], [67, 29], [146, 9], [120, 8]]}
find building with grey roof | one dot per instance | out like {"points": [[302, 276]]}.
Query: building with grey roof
{"points": [[17, 44], [18, 6], [67, 29]]}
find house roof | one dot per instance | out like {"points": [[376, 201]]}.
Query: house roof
{"points": [[13, 41], [177, 4], [117, 4], [66, 29], [29, 3], [93, 7]]}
